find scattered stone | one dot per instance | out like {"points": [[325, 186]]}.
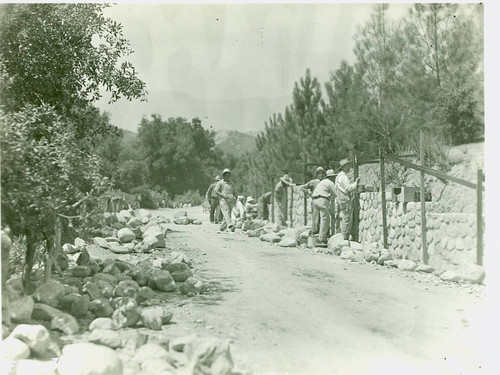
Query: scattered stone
{"points": [[93, 267], [358, 257], [101, 307], [270, 237], [384, 257], [288, 242], [155, 316], [65, 323], [15, 283], [112, 269], [134, 222], [126, 313], [347, 253], [371, 256], [356, 246], [180, 271], [449, 276], [425, 268], [210, 355], [177, 344], [142, 276], [118, 225], [80, 271], [145, 293], [76, 304], [336, 242], [21, 309], [157, 366], [125, 235], [196, 222], [49, 293], [192, 286], [150, 352], [61, 261], [35, 336], [106, 337], [106, 277], [126, 288], [42, 311], [69, 248], [92, 289], [119, 249], [161, 280], [102, 323], [88, 358], [101, 242], [15, 349], [391, 263], [83, 258], [472, 273], [407, 265], [175, 257], [79, 243]]}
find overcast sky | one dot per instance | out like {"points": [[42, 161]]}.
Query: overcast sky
{"points": [[212, 53]]}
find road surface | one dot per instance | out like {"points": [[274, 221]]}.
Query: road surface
{"points": [[294, 311]]}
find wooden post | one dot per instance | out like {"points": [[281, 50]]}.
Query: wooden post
{"points": [[355, 205], [284, 210], [425, 255], [479, 218], [291, 206], [272, 199], [305, 194], [382, 192]]}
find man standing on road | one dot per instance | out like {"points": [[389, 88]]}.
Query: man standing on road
{"points": [[280, 192], [213, 200], [344, 189], [263, 206], [225, 191], [308, 189], [322, 197]]}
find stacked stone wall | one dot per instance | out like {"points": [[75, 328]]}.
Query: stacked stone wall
{"points": [[451, 237]]}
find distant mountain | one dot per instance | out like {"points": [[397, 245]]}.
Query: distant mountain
{"points": [[234, 142]]}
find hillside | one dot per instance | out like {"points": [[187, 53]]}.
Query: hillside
{"points": [[234, 142]]}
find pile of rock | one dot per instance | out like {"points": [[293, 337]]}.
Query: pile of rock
{"points": [[370, 253], [182, 218], [275, 233]]}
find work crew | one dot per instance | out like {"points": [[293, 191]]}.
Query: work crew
{"points": [[225, 191], [213, 200], [308, 189], [263, 206], [344, 189], [281, 197], [322, 197]]}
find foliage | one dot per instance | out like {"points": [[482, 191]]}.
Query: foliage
{"points": [[179, 155], [191, 197], [61, 55]]}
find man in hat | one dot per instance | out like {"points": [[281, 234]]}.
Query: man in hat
{"points": [[213, 200], [344, 189], [225, 191], [322, 197], [308, 189], [263, 205], [251, 207], [281, 197]]}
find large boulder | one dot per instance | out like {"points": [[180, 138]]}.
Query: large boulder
{"points": [[126, 288], [42, 311], [80, 271], [161, 280], [127, 313], [83, 258], [101, 307], [14, 349], [125, 235], [126, 214], [425, 268], [182, 221], [92, 289], [175, 257], [49, 293], [287, 242], [385, 255], [450, 276], [472, 273], [134, 222], [155, 316], [102, 323], [21, 309], [101, 242], [70, 248], [210, 355], [76, 304], [336, 242], [112, 269], [145, 293], [35, 336], [407, 265], [120, 249], [65, 323], [106, 337], [178, 343], [89, 359], [180, 271], [347, 253], [270, 237], [192, 286]]}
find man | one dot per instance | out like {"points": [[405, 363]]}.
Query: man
{"points": [[213, 200], [344, 189], [251, 207], [263, 205], [308, 189], [225, 191], [238, 214], [322, 197], [281, 197]]}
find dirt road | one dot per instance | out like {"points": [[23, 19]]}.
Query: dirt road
{"points": [[293, 311]]}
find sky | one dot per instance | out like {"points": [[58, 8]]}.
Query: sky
{"points": [[232, 66]]}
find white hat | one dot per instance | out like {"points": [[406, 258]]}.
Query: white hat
{"points": [[226, 171], [319, 169], [330, 173], [217, 178], [250, 199], [344, 162], [286, 179]]}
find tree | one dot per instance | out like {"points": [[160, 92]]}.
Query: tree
{"points": [[61, 55]]}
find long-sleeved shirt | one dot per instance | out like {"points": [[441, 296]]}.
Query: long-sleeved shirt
{"points": [[225, 188], [344, 186], [325, 189], [311, 185], [210, 192]]}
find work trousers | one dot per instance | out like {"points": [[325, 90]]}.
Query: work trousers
{"points": [[214, 212], [315, 219], [322, 205], [262, 209], [280, 206], [226, 209], [343, 209]]}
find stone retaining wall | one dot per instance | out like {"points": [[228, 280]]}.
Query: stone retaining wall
{"points": [[295, 213], [451, 237]]}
